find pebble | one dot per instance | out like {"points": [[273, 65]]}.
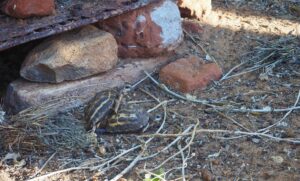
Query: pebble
{"points": [[277, 159]]}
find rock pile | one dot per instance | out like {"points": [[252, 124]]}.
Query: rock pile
{"points": [[85, 61]]}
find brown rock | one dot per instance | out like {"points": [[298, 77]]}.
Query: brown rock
{"points": [[188, 74], [28, 8], [195, 8], [148, 31], [206, 175], [22, 94], [71, 56]]}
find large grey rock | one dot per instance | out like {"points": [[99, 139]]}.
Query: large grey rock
{"points": [[22, 94], [71, 56]]}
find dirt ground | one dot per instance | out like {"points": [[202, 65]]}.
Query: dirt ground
{"points": [[242, 132]]}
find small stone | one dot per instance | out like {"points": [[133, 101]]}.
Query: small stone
{"points": [[28, 8], [215, 162], [71, 56], [146, 32], [189, 74], [206, 175], [255, 140], [101, 150], [277, 159]]}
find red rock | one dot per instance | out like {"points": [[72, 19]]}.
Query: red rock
{"points": [[195, 8], [148, 31], [188, 74], [28, 8], [22, 94]]}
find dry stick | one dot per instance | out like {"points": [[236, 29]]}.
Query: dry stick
{"points": [[264, 110], [183, 162], [285, 116], [202, 48], [140, 81], [169, 145], [184, 148], [128, 168], [158, 105], [149, 94], [118, 103], [226, 76], [231, 119], [50, 158], [230, 71], [43, 177], [290, 140], [163, 87]]}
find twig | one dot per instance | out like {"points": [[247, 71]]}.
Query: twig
{"points": [[290, 140], [230, 71], [169, 145], [163, 87], [202, 48], [43, 177], [149, 94], [264, 110], [231, 119], [118, 103], [158, 105], [50, 158], [183, 162], [193, 133], [128, 168], [251, 69], [285, 116]]}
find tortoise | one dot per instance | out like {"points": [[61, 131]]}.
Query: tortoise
{"points": [[104, 114]]}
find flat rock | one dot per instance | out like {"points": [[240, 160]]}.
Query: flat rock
{"points": [[28, 8], [148, 31], [71, 56], [189, 74], [22, 94]]}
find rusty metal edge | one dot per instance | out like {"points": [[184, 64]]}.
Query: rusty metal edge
{"points": [[70, 24]]}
